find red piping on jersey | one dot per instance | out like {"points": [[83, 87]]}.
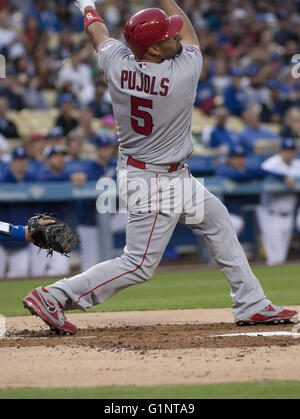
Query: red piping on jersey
{"points": [[144, 256]]}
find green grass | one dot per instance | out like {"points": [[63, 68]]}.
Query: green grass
{"points": [[176, 290], [263, 390]]}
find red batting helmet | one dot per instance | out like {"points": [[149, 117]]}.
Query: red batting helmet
{"points": [[148, 27]]}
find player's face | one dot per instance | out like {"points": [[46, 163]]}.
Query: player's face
{"points": [[56, 162], [170, 48], [237, 162], [105, 153], [20, 165], [75, 148], [288, 155]]}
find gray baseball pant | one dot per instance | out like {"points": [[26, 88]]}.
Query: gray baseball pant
{"points": [[148, 233]]}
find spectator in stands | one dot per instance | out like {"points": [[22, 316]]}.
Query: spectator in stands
{"points": [[291, 126], [219, 135], [74, 146], [237, 170], [277, 211], [284, 32], [66, 119], [35, 148], [100, 105], [220, 79], [8, 33], [46, 16], [15, 256], [56, 137], [234, 95], [53, 171], [31, 33], [252, 131], [7, 128], [109, 126], [76, 164], [4, 152], [295, 100], [65, 44], [12, 89], [75, 71], [66, 88], [66, 19], [275, 106], [85, 127], [104, 166], [206, 93], [34, 97]]}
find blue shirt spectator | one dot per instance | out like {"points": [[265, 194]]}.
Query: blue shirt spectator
{"points": [[103, 166], [54, 171], [234, 95], [99, 105], [291, 126], [252, 131], [17, 213], [47, 18], [274, 108], [219, 134], [237, 170], [205, 93]]}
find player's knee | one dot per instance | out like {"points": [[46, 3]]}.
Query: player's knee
{"points": [[141, 268]]}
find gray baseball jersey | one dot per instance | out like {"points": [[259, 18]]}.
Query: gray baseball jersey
{"points": [[152, 103]]}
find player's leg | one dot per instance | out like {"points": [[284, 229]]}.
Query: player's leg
{"points": [[215, 226], [146, 239], [147, 236]]}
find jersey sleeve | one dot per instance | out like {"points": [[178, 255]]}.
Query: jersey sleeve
{"points": [[274, 165], [9, 232], [111, 53], [189, 60]]}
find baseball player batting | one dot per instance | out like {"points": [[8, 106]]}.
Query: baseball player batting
{"points": [[152, 82]]}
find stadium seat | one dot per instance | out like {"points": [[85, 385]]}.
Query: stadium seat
{"points": [[235, 123], [199, 121], [51, 96], [266, 146]]}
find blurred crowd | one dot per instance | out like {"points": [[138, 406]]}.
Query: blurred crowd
{"points": [[248, 47]]}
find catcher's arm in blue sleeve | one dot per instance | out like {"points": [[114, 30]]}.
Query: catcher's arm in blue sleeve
{"points": [[10, 232]]}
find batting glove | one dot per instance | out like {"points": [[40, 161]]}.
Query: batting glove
{"points": [[82, 4]]}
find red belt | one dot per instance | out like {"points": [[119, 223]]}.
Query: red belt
{"points": [[141, 165]]}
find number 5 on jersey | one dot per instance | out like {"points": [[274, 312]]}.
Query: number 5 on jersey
{"points": [[136, 111]]}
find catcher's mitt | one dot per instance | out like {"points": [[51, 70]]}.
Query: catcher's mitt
{"points": [[49, 233]]}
